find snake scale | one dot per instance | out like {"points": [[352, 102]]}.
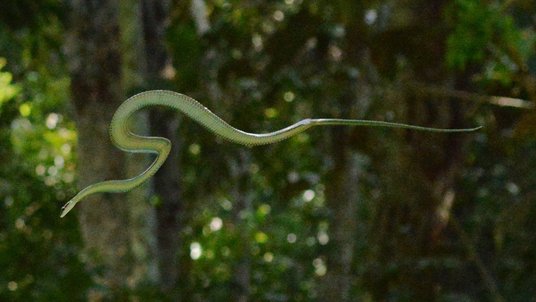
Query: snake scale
{"points": [[130, 142]]}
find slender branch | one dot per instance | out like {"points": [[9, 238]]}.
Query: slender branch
{"points": [[501, 101]]}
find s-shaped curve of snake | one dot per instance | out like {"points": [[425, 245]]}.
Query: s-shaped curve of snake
{"points": [[130, 142]]}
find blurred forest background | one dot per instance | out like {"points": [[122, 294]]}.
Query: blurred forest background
{"points": [[336, 214]]}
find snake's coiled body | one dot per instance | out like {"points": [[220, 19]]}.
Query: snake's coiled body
{"points": [[130, 142]]}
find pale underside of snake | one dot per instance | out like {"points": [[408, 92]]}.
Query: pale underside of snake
{"points": [[130, 142]]}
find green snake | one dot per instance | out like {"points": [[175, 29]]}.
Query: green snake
{"points": [[130, 142]]}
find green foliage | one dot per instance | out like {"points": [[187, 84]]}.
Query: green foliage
{"points": [[39, 254], [7, 89], [475, 26], [37, 251], [261, 66], [484, 35]]}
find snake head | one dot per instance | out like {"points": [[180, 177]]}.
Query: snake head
{"points": [[67, 207]]}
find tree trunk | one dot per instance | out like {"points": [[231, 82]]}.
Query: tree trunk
{"points": [[241, 195], [417, 186], [342, 195], [142, 214], [342, 185], [166, 181], [95, 67]]}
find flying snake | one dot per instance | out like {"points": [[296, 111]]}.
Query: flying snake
{"points": [[125, 140]]}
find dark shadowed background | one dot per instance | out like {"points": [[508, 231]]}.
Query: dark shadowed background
{"points": [[336, 214]]}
